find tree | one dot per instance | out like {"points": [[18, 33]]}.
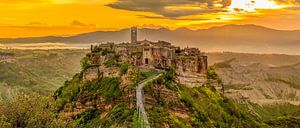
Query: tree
{"points": [[28, 111]]}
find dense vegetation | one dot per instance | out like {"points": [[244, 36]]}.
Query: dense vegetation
{"points": [[30, 111], [103, 96], [201, 107], [280, 115]]}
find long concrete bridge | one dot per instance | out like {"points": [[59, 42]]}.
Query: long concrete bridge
{"points": [[140, 104]]}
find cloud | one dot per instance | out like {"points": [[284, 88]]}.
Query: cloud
{"points": [[287, 1], [46, 45], [35, 24], [292, 4], [76, 23], [161, 17], [172, 8], [294, 8]]}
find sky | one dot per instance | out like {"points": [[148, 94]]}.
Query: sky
{"points": [[34, 18]]}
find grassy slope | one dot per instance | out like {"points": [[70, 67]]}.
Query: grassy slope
{"points": [[202, 107], [279, 115], [41, 71]]}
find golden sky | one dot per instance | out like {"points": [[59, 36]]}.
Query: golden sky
{"points": [[33, 18]]}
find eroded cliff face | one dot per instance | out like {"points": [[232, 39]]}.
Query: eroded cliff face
{"points": [[191, 70], [91, 74], [260, 83], [101, 90]]}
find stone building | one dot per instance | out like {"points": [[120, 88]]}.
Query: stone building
{"points": [[189, 63]]}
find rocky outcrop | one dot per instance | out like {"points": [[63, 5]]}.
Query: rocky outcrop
{"points": [[192, 79], [91, 74], [191, 70], [110, 71]]}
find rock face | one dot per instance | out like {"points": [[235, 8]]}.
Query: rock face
{"points": [[192, 79], [109, 72], [91, 74], [96, 72], [191, 68], [261, 84]]}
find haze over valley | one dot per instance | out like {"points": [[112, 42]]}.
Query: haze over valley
{"points": [[230, 38]]}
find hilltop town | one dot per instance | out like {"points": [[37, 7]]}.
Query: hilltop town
{"points": [[190, 63], [143, 84]]}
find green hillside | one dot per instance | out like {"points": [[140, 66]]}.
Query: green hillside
{"points": [[107, 102], [41, 71]]}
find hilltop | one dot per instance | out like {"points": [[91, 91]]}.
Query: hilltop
{"points": [[103, 95]]}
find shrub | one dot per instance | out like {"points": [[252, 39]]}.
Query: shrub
{"points": [[86, 117], [211, 74], [124, 68], [84, 62]]}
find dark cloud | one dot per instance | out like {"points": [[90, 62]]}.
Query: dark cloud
{"points": [[160, 6], [226, 3]]}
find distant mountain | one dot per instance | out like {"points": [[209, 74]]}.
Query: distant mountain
{"points": [[236, 38]]}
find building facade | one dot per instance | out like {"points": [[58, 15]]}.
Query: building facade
{"points": [[188, 62]]}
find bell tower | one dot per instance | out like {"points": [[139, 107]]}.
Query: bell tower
{"points": [[133, 34]]}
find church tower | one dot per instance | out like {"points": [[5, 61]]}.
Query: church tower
{"points": [[133, 34]]}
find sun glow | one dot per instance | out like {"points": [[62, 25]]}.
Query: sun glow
{"points": [[244, 6]]}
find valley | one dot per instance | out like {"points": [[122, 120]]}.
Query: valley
{"points": [[262, 79], [36, 71]]}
